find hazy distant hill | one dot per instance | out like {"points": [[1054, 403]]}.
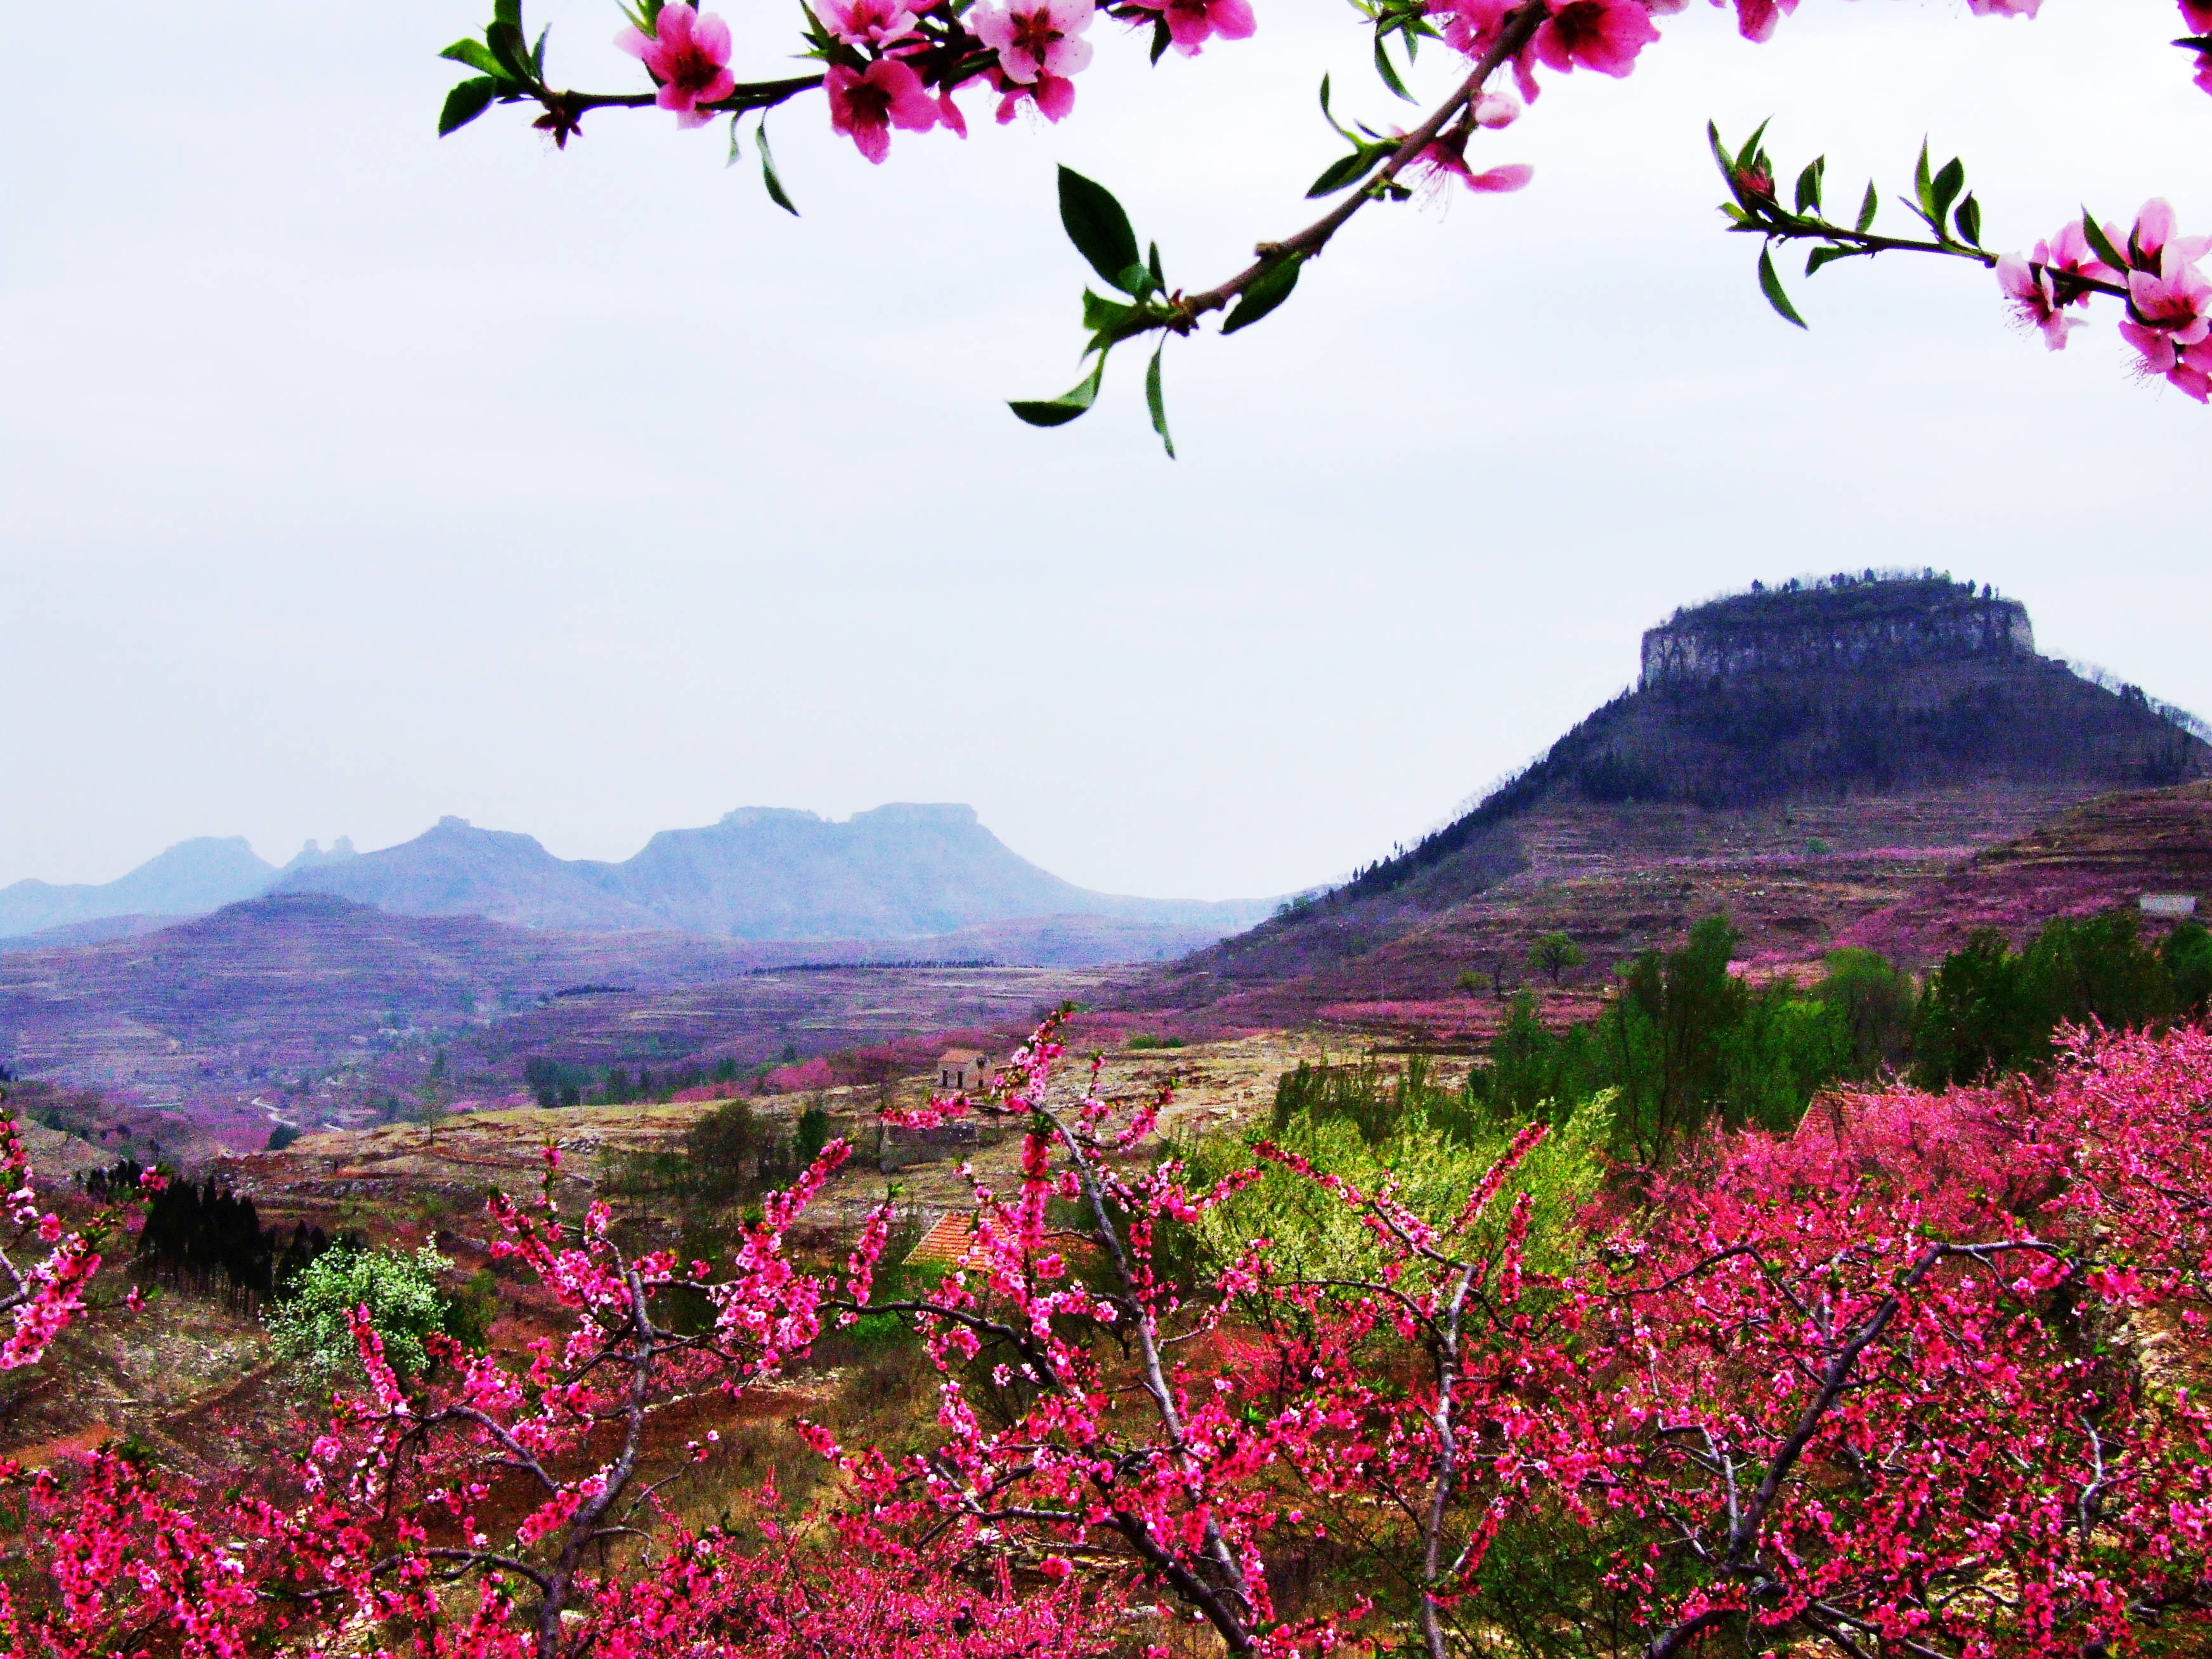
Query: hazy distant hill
{"points": [[191, 879], [455, 869], [900, 871]]}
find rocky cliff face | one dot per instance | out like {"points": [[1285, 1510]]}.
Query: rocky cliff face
{"points": [[1861, 625]]}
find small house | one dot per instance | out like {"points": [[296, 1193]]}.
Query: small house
{"points": [[961, 1069]]}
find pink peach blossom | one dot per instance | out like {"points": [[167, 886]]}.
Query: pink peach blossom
{"points": [[1191, 23], [1604, 35], [2154, 235], [865, 22], [1472, 26], [2034, 297], [689, 55], [2198, 15], [1052, 96], [1035, 37], [2004, 7], [2172, 324], [1755, 19], [865, 108]]}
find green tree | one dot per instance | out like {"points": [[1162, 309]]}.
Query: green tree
{"points": [[1555, 955], [2187, 956], [400, 1292], [1874, 1000]]}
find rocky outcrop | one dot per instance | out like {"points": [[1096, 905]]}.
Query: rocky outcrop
{"points": [[1866, 623]]}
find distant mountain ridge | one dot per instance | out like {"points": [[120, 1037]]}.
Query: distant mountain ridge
{"points": [[902, 872], [189, 879]]}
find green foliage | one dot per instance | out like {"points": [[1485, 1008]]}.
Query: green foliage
{"points": [[1410, 1133], [1143, 1040], [1685, 1045], [1873, 998], [730, 1156], [281, 1136], [1555, 955], [811, 1135], [403, 1302], [1990, 1008]]}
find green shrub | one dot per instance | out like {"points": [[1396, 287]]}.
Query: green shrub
{"points": [[1433, 1152], [281, 1136], [1143, 1040], [309, 1325]]}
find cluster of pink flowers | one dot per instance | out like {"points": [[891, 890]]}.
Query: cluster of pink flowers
{"points": [[43, 1299], [2169, 299], [1890, 1380], [689, 55]]}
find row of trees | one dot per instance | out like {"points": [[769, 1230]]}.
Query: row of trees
{"points": [[1688, 1045], [555, 1083], [206, 1240]]}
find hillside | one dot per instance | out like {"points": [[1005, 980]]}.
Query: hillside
{"points": [[308, 1009], [1802, 757]]}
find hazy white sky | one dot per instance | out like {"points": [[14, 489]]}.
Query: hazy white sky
{"points": [[348, 477]]}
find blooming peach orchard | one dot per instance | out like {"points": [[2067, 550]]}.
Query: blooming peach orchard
{"points": [[902, 66], [1922, 1378]]}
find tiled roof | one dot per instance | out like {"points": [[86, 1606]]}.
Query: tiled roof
{"points": [[951, 1241]]}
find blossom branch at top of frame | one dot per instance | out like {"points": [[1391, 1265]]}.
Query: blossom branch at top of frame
{"points": [[900, 66]]}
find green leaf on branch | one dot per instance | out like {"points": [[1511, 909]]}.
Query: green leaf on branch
{"points": [[1097, 227], [1348, 169], [465, 102], [1158, 276], [1749, 153], [1269, 289], [1868, 208], [1059, 411], [475, 55], [1945, 186], [769, 174], [1383, 68], [1326, 116], [1770, 286], [1157, 403], [513, 51], [1828, 256], [1161, 38], [1968, 219], [1922, 185], [537, 54], [2103, 244], [508, 12], [1809, 186]]}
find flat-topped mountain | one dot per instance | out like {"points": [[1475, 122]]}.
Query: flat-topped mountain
{"points": [[1863, 688], [1885, 726], [1872, 623]]}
